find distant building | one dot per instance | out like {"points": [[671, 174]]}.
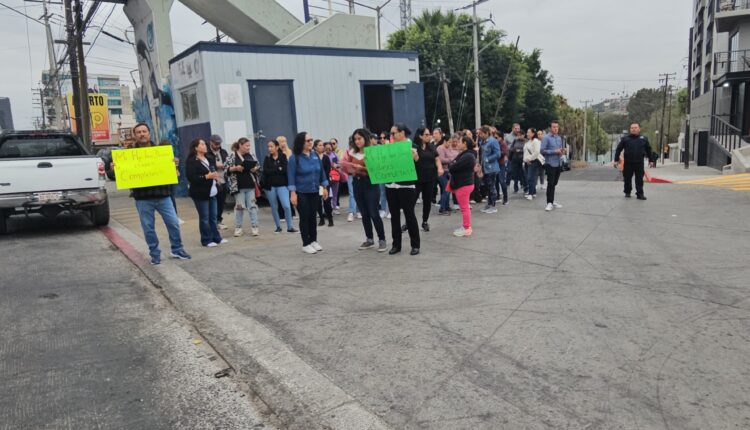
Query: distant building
{"points": [[617, 105], [6, 116], [119, 103]]}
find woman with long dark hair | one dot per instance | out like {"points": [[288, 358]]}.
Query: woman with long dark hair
{"points": [[533, 160], [307, 183], [241, 178], [275, 185], [429, 169], [366, 193], [202, 176], [402, 197], [462, 182]]}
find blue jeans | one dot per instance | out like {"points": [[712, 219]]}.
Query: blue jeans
{"points": [[276, 195], [489, 181], [146, 212], [367, 196], [207, 220], [245, 199], [383, 199], [532, 173], [352, 200], [445, 196]]}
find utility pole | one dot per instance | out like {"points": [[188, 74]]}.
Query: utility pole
{"points": [[585, 127], [446, 95], [663, 111], [73, 56], [84, 82], [405, 9], [669, 118], [686, 155], [54, 82], [477, 93]]}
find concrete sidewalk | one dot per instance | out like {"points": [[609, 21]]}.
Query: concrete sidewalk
{"points": [[675, 172], [609, 313]]}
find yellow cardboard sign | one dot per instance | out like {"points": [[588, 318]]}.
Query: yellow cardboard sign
{"points": [[144, 167]]}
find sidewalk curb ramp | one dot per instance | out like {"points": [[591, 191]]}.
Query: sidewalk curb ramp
{"points": [[299, 395]]}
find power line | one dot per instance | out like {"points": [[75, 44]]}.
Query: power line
{"points": [[21, 13], [101, 27]]}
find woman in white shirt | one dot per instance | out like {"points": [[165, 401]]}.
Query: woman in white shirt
{"points": [[533, 159]]}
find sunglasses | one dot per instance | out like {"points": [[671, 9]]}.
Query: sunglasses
{"points": [[308, 140]]}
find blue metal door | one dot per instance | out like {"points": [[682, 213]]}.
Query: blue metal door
{"points": [[408, 104], [273, 112]]}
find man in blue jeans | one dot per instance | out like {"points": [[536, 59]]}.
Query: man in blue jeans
{"points": [[149, 200]]}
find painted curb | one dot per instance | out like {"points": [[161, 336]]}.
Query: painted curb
{"points": [[656, 180], [299, 395]]}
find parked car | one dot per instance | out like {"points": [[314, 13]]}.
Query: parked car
{"points": [[49, 172]]}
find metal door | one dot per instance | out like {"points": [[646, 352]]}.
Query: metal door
{"points": [[273, 112], [408, 104]]}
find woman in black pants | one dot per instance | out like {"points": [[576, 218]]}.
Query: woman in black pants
{"points": [[325, 209], [307, 183], [428, 170], [402, 196]]}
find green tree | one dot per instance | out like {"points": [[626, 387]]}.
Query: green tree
{"points": [[614, 123], [444, 41], [643, 103]]}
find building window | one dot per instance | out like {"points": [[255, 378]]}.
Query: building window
{"points": [[111, 93], [108, 82], [115, 111], [114, 102], [189, 104]]}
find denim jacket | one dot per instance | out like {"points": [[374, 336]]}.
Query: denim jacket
{"points": [[490, 155]]}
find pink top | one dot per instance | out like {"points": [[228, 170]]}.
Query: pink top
{"points": [[447, 154]]}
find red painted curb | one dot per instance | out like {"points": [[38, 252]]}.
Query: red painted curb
{"points": [[125, 247], [655, 180]]}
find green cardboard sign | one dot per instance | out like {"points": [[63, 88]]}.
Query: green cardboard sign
{"points": [[390, 163]]}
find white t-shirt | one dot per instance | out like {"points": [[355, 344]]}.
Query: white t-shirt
{"points": [[214, 189]]}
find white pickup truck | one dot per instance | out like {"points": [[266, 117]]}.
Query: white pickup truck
{"points": [[48, 173]]}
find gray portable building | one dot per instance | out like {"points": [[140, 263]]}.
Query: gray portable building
{"points": [[261, 92]]}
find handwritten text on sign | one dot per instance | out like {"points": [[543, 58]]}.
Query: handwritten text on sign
{"points": [[390, 163], [144, 167]]}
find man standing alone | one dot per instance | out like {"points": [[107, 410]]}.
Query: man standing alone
{"points": [[149, 200], [636, 147]]}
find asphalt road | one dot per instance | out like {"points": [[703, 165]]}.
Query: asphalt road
{"points": [[87, 343]]}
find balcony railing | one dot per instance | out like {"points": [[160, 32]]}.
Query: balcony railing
{"points": [[731, 62], [728, 136], [732, 5]]}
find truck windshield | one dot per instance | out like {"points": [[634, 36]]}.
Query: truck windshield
{"points": [[39, 146]]}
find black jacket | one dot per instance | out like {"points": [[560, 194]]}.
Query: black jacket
{"points": [[200, 187], [274, 172], [635, 147], [462, 169], [426, 167], [326, 166]]}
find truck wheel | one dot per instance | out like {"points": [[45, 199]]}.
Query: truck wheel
{"points": [[100, 214], [3, 223]]}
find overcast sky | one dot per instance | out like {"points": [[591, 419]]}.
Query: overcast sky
{"points": [[593, 48]]}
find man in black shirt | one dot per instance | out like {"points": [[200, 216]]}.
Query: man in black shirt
{"points": [[635, 148]]}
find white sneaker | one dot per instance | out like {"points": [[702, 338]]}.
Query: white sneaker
{"points": [[543, 187], [336, 212], [388, 216], [456, 207], [212, 245], [529, 197], [309, 249], [237, 232], [557, 205], [419, 201], [350, 217], [316, 246], [223, 226], [549, 207], [382, 214], [492, 210], [180, 221], [223, 241], [255, 231], [359, 215]]}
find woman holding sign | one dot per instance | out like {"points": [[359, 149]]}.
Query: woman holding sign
{"points": [[307, 184], [366, 193], [462, 182], [402, 196], [202, 176]]}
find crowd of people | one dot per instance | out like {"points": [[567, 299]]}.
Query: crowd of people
{"points": [[453, 173]]}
